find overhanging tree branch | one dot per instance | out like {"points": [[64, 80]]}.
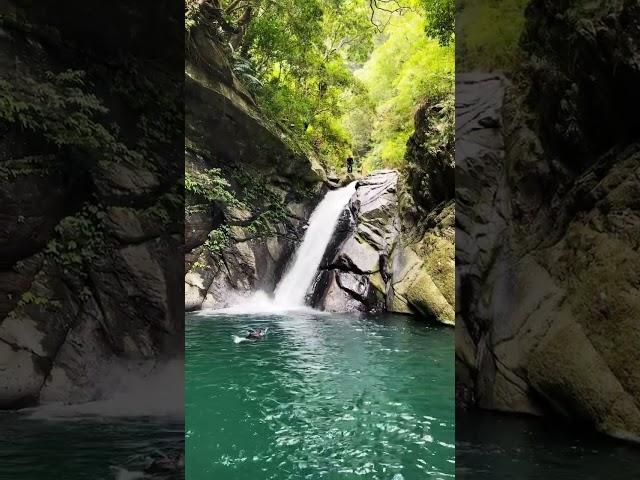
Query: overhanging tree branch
{"points": [[391, 7]]}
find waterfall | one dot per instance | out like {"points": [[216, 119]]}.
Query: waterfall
{"points": [[292, 289]]}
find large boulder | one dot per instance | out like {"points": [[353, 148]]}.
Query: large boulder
{"points": [[350, 276], [423, 272]]}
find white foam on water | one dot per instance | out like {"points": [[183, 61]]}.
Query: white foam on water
{"points": [[258, 303]]}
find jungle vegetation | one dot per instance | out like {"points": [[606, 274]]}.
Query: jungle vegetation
{"points": [[343, 76]]}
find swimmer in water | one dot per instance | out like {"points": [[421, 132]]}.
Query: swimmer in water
{"points": [[257, 333], [252, 336]]}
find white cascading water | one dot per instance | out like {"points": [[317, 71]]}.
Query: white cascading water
{"points": [[292, 289]]}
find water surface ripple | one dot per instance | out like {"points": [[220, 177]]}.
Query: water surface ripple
{"points": [[85, 448], [322, 397]]}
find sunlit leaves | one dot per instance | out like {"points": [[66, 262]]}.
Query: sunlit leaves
{"points": [[406, 68], [441, 16], [299, 59]]}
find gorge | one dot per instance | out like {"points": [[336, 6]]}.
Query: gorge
{"points": [[350, 274], [384, 256]]}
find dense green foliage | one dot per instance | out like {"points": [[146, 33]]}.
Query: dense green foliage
{"points": [[441, 16], [299, 53], [59, 108], [208, 186], [343, 76]]}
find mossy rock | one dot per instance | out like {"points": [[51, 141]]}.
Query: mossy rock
{"points": [[574, 378], [425, 296], [378, 282], [440, 266]]}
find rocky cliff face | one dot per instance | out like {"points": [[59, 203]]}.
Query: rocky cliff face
{"points": [[90, 217], [381, 259], [238, 242], [548, 217], [355, 270], [388, 253], [424, 263]]}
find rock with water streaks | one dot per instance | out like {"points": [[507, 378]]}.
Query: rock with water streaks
{"points": [[547, 251]]}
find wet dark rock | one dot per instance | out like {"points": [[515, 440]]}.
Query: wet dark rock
{"points": [[87, 245], [584, 67], [166, 465]]}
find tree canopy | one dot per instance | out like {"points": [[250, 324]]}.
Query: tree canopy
{"points": [[343, 76]]}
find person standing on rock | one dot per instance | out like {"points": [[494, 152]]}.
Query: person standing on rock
{"points": [[350, 165]]}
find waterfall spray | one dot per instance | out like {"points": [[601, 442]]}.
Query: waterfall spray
{"points": [[292, 289]]}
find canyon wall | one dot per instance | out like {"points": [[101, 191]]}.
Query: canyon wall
{"points": [[547, 253], [90, 205]]}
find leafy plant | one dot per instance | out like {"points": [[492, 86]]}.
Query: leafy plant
{"points": [[209, 185], [218, 241], [440, 16], [59, 108], [78, 239], [245, 70]]}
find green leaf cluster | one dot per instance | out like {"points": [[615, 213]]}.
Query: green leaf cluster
{"points": [[60, 108], [208, 185], [406, 69], [79, 239], [218, 241], [267, 206], [441, 15]]}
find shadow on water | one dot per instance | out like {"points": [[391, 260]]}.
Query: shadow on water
{"points": [[89, 448], [503, 447], [322, 396]]}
